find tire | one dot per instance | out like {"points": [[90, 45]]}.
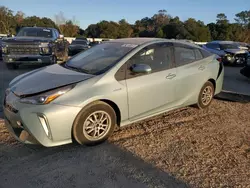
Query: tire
{"points": [[82, 126], [54, 60], [12, 66], [208, 88]]}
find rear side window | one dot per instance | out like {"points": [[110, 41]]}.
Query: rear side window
{"points": [[198, 54], [184, 55], [205, 53]]}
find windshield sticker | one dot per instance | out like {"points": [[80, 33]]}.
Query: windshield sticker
{"points": [[129, 45], [47, 30]]}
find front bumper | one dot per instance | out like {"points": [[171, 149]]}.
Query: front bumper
{"points": [[27, 59], [24, 123], [235, 59]]}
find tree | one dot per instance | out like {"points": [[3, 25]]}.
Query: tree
{"points": [[197, 30], [7, 21], [221, 18], [93, 31], [160, 33], [69, 29], [243, 18], [125, 29]]}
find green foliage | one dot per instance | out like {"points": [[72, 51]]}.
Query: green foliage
{"points": [[161, 25]]}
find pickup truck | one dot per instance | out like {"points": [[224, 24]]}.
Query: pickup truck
{"points": [[34, 45]]}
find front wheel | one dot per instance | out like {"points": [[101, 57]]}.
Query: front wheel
{"points": [[206, 95], [94, 124]]}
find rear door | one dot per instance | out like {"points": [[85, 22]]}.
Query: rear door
{"points": [[192, 73], [156, 91]]}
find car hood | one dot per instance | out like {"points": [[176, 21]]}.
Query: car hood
{"points": [[78, 46], [235, 51], [26, 39], [44, 79]]}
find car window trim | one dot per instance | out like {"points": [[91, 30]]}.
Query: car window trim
{"points": [[180, 45], [171, 45]]}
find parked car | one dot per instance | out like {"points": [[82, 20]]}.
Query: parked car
{"points": [[94, 43], [77, 46], [229, 51], [118, 82], [0, 48], [244, 46], [246, 70], [34, 45]]}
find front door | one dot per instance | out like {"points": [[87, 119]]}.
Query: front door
{"points": [[152, 92]]}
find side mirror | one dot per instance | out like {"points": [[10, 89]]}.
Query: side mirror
{"points": [[141, 68], [61, 36]]}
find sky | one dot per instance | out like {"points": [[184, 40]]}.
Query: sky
{"points": [[88, 12]]}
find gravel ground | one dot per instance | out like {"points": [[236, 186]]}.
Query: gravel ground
{"points": [[186, 147], [209, 148]]}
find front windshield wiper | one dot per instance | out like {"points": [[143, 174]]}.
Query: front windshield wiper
{"points": [[77, 69]]}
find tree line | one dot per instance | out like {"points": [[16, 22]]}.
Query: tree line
{"points": [[161, 25]]}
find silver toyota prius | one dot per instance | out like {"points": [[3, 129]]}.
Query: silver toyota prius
{"points": [[115, 83]]}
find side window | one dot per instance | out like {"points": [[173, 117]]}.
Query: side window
{"points": [[205, 53], [208, 45], [198, 54], [212, 45], [158, 56], [184, 56], [56, 33]]}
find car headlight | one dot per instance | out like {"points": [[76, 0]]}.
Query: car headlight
{"points": [[45, 48], [47, 97], [4, 49]]}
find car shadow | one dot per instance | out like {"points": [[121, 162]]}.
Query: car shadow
{"points": [[104, 165], [233, 97]]}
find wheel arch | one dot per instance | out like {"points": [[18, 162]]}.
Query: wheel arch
{"points": [[213, 82], [107, 101]]}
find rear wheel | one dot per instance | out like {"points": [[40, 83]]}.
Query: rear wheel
{"points": [[206, 95], [94, 124]]}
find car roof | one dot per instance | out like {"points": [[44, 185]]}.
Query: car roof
{"points": [[221, 42], [144, 40], [40, 27]]}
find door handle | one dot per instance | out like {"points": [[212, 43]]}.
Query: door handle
{"points": [[201, 67], [170, 76]]}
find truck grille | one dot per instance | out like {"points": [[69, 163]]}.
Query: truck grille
{"points": [[241, 56], [22, 49]]}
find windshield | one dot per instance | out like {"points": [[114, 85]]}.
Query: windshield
{"points": [[228, 46], [35, 32], [99, 58], [79, 42]]}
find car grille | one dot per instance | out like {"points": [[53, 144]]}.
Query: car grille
{"points": [[241, 56], [24, 49]]}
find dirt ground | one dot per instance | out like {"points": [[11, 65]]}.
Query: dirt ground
{"points": [[208, 148], [202, 148]]}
